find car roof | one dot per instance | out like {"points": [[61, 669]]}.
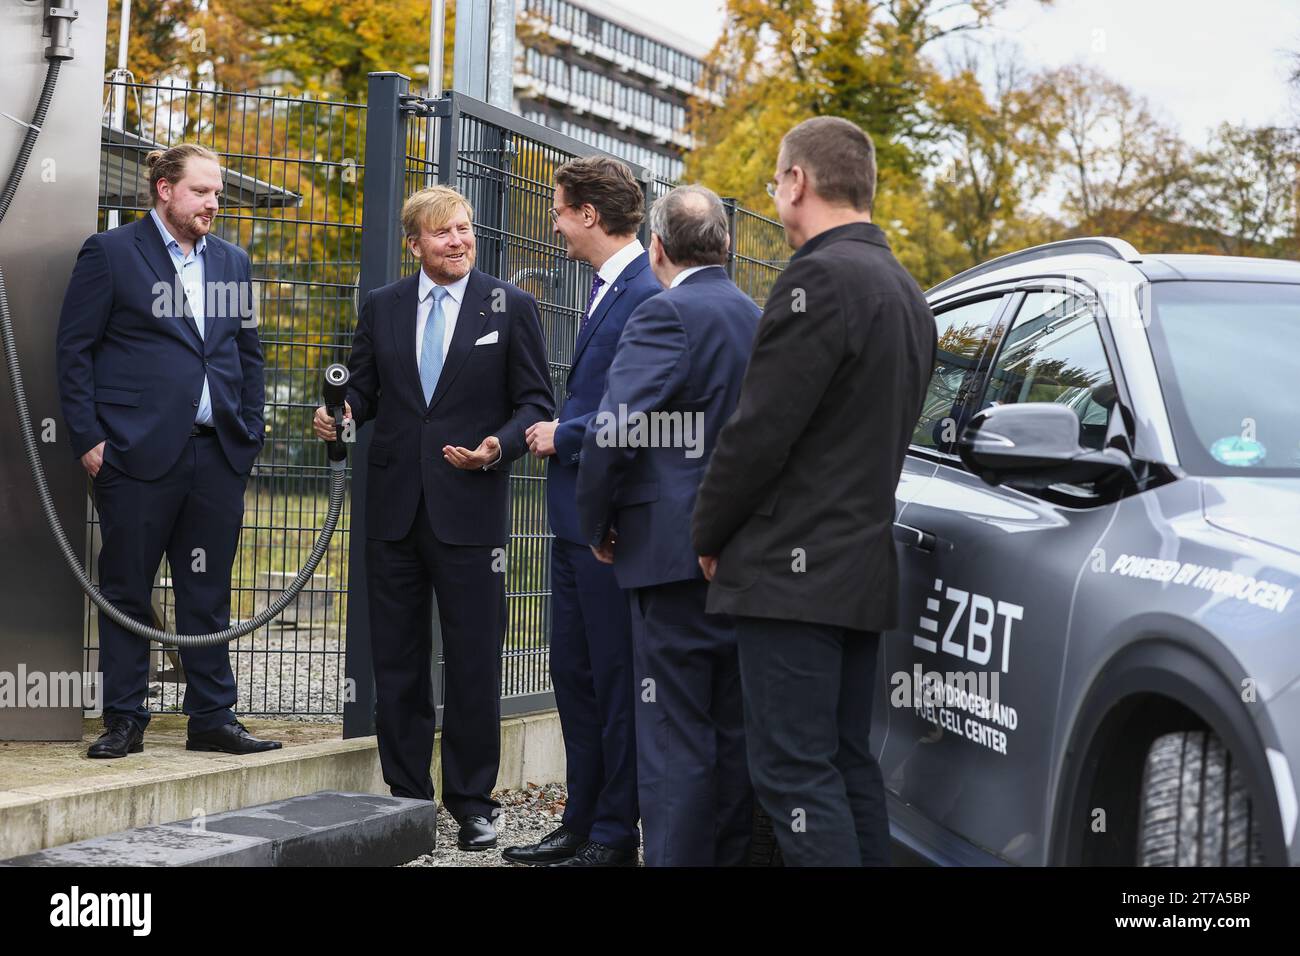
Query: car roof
{"points": [[1174, 267], [1066, 256]]}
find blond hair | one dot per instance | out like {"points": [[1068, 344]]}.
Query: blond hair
{"points": [[169, 163], [433, 207]]}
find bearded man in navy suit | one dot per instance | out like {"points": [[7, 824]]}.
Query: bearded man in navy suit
{"points": [[450, 366], [160, 379]]}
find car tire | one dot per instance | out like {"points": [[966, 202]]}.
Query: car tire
{"points": [[1195, 809]]}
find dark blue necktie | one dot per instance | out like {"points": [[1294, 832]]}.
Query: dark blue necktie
{"points": [[596, 283]]}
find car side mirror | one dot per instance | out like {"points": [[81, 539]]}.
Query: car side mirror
{"points": [[1034, 445]]}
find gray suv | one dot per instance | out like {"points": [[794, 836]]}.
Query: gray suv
{"points": [[1098, 537]]}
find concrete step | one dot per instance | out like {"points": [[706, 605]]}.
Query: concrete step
{"points": [[51, 794], [327, 828]]}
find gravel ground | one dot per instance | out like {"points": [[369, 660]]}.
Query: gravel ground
{"points": [[527, 816], [285, 672]]}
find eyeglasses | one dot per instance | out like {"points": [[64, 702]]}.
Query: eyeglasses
{"points": [[554, 211], [774, 184]]}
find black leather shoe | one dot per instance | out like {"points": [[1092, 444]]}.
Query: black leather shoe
{"points": [[597, 854], [559, 844], [476, 833], [122, 736], [233, 738]]}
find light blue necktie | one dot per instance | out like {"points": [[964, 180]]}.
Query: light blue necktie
{"points": [[435, 327]]}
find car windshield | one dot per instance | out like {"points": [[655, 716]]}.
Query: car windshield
{"points": [[1230, 367]]}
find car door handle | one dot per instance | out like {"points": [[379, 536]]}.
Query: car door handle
{"points": [[914, 537]]}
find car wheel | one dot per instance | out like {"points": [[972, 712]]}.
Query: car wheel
{"points": [[1195, 808]]}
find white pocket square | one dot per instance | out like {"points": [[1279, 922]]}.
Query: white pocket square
{"points": [[489, 339]]}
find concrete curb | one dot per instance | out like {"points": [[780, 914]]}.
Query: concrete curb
{"points": [[37, 816], [321, 829]]}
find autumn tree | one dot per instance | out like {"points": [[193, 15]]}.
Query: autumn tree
{"points": [[778, 62], [328, 47], [1124, 170], [1245, 190], [995, 160], [190, 41], [156, 45]]}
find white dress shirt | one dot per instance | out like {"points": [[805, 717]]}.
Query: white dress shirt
{"points": [[613, 267], [450, 310], [190, 268], [689, 271], [451, 303]]}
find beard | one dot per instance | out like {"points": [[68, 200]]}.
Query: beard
{"points": [[447, 270], [191, 228]]}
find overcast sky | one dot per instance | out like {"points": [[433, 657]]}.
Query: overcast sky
{"points": [[1199, 62]]}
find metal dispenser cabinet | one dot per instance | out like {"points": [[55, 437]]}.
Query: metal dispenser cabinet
{"points": [[42, 610]]}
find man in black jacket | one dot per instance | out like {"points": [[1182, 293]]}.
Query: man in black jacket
{"points": [[793, 521]]}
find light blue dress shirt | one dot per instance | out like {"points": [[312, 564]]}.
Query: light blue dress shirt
{"points": [[190, 270]]}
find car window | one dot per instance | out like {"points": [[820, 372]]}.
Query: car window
{"points": [[963, 332], [1053, 353]]}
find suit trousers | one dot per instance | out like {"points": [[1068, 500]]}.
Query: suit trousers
{"points": [[591, 671], [402, 578], [808, 690], [696, 798], [193, 514]]}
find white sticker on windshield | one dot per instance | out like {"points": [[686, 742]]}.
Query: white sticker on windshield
{"points": [[1238, 452]]}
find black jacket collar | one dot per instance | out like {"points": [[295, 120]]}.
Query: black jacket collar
{"points": [[860, 231]]}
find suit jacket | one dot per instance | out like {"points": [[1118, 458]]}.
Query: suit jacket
{"points": [[798, 499], [585, 386], [130, 361], [683, 353], [498, 388]]}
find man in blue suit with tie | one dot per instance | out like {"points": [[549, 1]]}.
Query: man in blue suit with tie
{"points": [[675, 380], [598, 206], [160, 379], [450, 366]]}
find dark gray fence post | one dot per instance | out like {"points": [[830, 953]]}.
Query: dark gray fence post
{"points": [[380, 256], [448, 132], [646, 179], [729, 204]]}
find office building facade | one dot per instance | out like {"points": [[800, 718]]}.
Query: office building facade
{"points": [[595, 72]]}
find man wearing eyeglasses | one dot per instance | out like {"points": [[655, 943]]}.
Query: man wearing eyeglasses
{"points": [[597, 207], [793, 521]]}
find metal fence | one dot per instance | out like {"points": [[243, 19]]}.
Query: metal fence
{"points": [[296, 172]]}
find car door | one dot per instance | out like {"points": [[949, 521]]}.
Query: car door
{"points": [[988, 575], [964, 331]]}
